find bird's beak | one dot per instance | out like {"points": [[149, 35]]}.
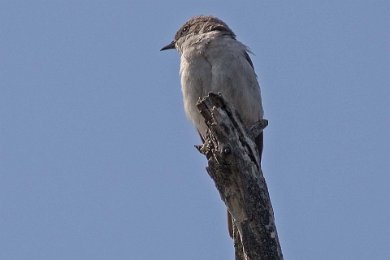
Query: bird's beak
{"points": [[169, 46]]}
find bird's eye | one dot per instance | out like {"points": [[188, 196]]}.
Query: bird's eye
{"points": [[184, 30]]}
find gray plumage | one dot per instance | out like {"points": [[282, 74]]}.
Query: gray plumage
{"points": [[212, 60]]}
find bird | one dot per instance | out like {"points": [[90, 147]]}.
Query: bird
{"points": [[213, 60]]}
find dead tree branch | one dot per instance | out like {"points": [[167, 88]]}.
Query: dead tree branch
{"points": [[233, 164]]}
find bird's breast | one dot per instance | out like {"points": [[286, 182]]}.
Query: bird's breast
{"points": [[196, 76], [219, 67]]}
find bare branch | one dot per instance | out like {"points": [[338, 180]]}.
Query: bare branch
{"points": [[233, 164]]}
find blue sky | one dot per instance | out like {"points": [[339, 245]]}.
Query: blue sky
{"points": [[97, 158]]}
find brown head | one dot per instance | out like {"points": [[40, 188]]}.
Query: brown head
{"points": [[199, 25]]}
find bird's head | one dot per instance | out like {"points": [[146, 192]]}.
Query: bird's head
{"points": [[196, 26]]}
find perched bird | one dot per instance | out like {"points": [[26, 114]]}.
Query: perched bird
{"points": [[213, 60]]}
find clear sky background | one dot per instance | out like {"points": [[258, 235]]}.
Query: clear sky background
{"points": [[96, 155]]}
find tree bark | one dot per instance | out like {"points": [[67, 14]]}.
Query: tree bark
{"points": [[233, 164]]}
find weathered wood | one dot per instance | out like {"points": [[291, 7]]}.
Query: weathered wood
{"points": [[239, 251], [233, 164]]}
